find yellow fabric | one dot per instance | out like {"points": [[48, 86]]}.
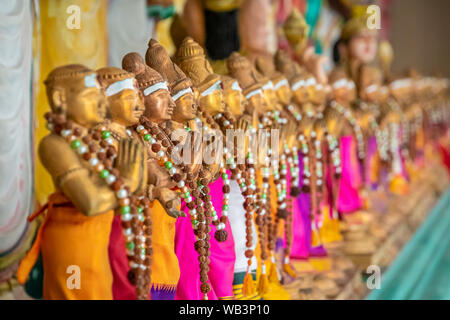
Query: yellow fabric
{"points": [[58, 45], [165, 268], [398, 185], [329, 232], [238, 295], [69, 238], [321, 263], [302, 265], [274, 291]]}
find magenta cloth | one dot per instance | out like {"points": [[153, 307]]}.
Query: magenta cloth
{"points": [[348, 198], [122, 289], [223, 256], [301, 225]]}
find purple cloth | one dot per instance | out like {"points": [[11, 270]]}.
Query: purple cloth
{"points": [[162, 294], [301, 224]]}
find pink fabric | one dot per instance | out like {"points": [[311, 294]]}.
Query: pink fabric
{"points": [[348, 199], [301, 247], [122, 288], [222, 256]]}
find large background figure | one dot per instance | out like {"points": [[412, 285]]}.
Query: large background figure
{"points": [[129, 29], [15, 135], [61, 45]]}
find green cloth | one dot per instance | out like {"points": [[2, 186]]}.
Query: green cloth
{"points": [[422, 269]]}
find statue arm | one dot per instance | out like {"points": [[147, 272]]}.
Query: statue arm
{"points": [[73, 179]]}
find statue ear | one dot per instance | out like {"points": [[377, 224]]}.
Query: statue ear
{"points": [[57, 99]]}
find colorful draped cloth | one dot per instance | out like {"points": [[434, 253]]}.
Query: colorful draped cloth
{"points": [[221, 268], [348, 199], [74, 249]]}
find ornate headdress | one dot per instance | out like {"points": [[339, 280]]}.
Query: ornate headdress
{"points": [[296, 30], [148, 79], [68, 73], [114, 80], [192, 60], [158, 58], [241, 69]]}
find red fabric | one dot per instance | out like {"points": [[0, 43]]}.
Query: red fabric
{"points": [[122, 288], [445, 156]]}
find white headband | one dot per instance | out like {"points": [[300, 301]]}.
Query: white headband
{"points": [[156, 87], [119, 86], [371, 88], [298, 84], [310, 82], [281, 83], [340, 84], [181, 93], [90, 81], [350, 84], [268, 85], [213, 88], [398, 84], [253, 93], [235, 86]]}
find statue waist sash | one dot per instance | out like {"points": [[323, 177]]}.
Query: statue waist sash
{"points": [[74, 250]]}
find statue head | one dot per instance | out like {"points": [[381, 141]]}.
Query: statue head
{"points": [[192, 60], [301, 82], [244, 72], [74, 90], [233, 96], [180, 85], [400, 88], [370, 80], [265, 65], [296, 30], [358, 41], [124, 99], [158, 103]]}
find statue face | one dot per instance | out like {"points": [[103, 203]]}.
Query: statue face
{"points": [[301, 95], [185, 108], [364, 46], [271, 99], [213, 103], [341, 94], [126, 107], [284, 95], [236, 102], [159, 106], [84, 105], [258, 103], [318, 95]]}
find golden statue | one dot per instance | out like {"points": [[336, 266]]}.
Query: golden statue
{"points": [[92, 178]]}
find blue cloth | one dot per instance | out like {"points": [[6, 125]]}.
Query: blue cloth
{"points": [[422, 269]]}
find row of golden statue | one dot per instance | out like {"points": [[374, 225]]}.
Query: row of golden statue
{"points": [[139, 223]]}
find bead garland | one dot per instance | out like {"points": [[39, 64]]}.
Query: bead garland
{"points": [[356, 128], [199, 204]]}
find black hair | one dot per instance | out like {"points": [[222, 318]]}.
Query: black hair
{"points": [[222, 34]]}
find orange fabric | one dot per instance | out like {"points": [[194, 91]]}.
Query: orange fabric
{"points": [[165, 268], [28, 262], [69, 238]]}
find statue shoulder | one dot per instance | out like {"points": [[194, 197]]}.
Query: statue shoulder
{"points": [[57, 156]]}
